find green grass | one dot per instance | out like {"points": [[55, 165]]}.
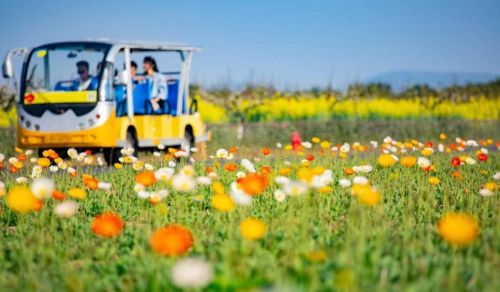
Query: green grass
{"points": [[392, 246]]}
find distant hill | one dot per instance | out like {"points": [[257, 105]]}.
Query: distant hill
{"points": [[402, 79]]}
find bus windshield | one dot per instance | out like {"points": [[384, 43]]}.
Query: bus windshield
{"points": [[64, 73]]}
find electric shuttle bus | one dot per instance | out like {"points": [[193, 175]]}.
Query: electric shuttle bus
{"points": [[83, 94]]}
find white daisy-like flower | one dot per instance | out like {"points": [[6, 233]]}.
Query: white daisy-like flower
{"points": [[194, 149], [21, 180], [99, 160], [160, 147], [106, 186], [472, 143], [71, 170], [306, 144], [374, 144], [144, 194], [204, 180], [240, 174], [42, 188], [164, 174], [28, 152], [148, 166], [156, 154], [13, 160], [360, 180], [66, 209], [247, 165], [423, 162], [181, 154], [486, 192], [2, 157], [279, 195], [183, 183], [191, 273], [33, 160], [345, 183], [162, 193], [72, 153], [139, 188], [238, 195], [470, 161], [484, 150], [172, 164], [496, 176], [53, 168], [441, 147], [222, 153], [345, 148], [295, 188], [281, 180], [187, 170], [362, 168], [279, 145], [387, 140]]}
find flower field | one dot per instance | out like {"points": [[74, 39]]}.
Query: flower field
{"points": [[409, 214]]}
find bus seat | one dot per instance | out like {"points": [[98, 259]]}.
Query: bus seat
{"points": [[121, 100], [142, 103], [172, 91], [71, 85]]}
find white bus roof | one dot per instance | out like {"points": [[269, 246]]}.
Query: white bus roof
{"points": [[137, 45]]}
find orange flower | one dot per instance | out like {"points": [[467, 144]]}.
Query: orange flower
{"points": [[285, 171], [22, 157], [208, 170], [253, 183], [107, 225], [266, 169], [233, 149], [146, 178], [348, 171], [266, 151], [90, 182], [172, 240], [231, 167], [58, 195]]}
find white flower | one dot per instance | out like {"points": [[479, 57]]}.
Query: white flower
{"points": [[13, 160], [441, 147], [395, 157], [239, 196], [183, 183], [156, 154], [160, 146], [148, 166], [33, 160], [172, 164], [345, 148], [164, 174], [496, 176], [143, 194], [71, 170], [62, 165], [334, 148], [66, 209], [360, 180], [247, 165], [204, 180], [279, 195], [486, 192], [194, 149], [282, 180], [362, 168], [191, 273], [53, 168], [470, 161], [21, 180], [471, 143], [279, 145], [295, 188], [139, 187], [37, 169], [72, 153], [423, 162], [387, 140], [484, 150], [42, 188], [2, 157], [2, 188], [240, 174], [162, 193], [374, 144], [222, 153], [28, 152], [181, 153], [345, 183], [88, 160], [187, 170], [306, 144], [104, 186]]}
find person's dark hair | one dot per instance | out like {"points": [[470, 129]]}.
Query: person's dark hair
{"points": [[83, 64], [150, 60], [133, 64]]}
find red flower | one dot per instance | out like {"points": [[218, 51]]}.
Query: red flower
{"points": [[310, 157], [428, 144], [455, 162], [266, 151], [482, 157]]}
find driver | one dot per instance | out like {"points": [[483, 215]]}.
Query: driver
{"points": [[85, 81]]}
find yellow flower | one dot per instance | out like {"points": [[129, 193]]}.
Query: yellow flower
{"points": [[306, 174], [21, 199], [118, 165], [458, 228], [222, 202], [317, 256], [386, 160], [369, 196], [408, 161], [252, 229], [491, 186], [218, 188], [427, 151], [325, 144], [44, 162], [288, 147], [442, 136], [434, 180], [77, 193], [316, 140]]}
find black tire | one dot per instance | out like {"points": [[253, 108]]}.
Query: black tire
{"points": [[132, 142], [112, 155]]}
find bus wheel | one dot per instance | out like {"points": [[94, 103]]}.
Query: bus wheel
{"points": [[111, 155], [132, 142], [188, 142]]}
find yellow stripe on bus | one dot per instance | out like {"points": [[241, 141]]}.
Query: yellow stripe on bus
{"points": [[60, 97]]}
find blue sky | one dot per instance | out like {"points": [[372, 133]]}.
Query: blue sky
{"points": [[290, 43]]}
